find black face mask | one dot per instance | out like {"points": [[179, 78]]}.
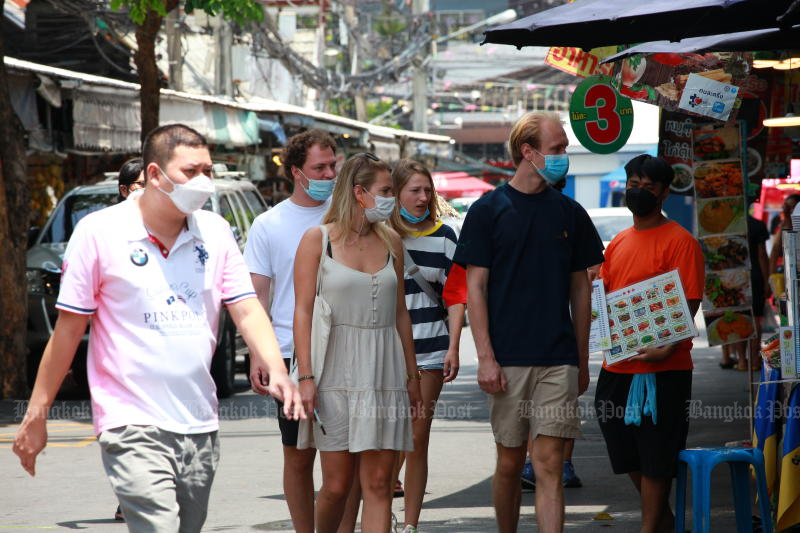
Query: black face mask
{"points": [[641, 202]]}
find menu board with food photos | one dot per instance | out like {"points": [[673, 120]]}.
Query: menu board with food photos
{"points": [[790, 351], [648, 314], [719, 187], [600, 333]]}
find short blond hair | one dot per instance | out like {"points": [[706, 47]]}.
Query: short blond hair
{"points": [[528, 130]]}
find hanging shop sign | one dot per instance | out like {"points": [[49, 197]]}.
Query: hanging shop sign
{"points": [[708, 97], [663, 79], [601, 118], [580, 63]]}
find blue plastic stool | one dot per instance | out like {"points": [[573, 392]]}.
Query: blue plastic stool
{"points": [[702, 461]]}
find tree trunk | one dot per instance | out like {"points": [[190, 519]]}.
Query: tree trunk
{"points": [[14, 215], [145, 59]]}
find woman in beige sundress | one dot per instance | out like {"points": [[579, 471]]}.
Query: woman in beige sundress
{"points": [[368, 381]]}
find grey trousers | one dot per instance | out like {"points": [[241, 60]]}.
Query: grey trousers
{"points": [[162, 479]]}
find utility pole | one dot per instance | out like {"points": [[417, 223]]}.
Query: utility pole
{"points": [[174, 55], [420, 8], [352, 51], [223, 70]]}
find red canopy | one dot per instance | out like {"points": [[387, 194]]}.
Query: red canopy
{"points": [[459, 185]]}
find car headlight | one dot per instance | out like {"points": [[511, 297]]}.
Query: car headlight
{"points": [[42, 282]]}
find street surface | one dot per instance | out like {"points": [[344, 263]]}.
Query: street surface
{"points": [[70, 490]]}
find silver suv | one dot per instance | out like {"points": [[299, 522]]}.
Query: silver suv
{"points": [[236, 199]]}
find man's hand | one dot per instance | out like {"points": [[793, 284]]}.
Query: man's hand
{"points": [[451, 366], [282, 388], [491, 377], [415, 398], [583, 378], [654, 355], [29, 441], [259, 376]]}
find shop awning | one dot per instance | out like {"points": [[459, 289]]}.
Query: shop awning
{"points": [[173, 110], [274, 127], [591, 23], [743, 41], [459, 185], [232, 127], [106, 119]]}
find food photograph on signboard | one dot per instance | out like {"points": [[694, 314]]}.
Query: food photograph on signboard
{"points": [[722, 252], [730, 325], [727, 288], [718, 179], [713, 143], [721, 215]]}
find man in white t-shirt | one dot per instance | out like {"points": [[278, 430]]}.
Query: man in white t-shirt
{"points": [[153, 273], [309, 160]]}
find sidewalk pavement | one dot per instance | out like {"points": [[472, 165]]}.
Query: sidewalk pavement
{"points": [[70, 490]]}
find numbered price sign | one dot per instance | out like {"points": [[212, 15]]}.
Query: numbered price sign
{"points": [[601, 118]]}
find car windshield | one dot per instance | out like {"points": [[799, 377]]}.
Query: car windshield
{"points": [[462, 205], [71, 210], [609, 225]]}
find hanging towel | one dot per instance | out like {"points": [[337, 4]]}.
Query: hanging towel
{"points": [[641, 396]]}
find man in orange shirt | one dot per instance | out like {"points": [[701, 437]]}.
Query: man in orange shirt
{"points": [[654, 245]]}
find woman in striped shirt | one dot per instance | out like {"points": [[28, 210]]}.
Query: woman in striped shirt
{"points": [[436, 322]]}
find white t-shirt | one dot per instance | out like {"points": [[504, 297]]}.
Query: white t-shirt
{"points": [[154, 318], [271, 246]]}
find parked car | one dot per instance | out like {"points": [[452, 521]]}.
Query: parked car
{"points": [[609, 221], [236, 200]]}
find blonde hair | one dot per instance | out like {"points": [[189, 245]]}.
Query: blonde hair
{"points": [[528, 130], [358, 170], [403, 171]]}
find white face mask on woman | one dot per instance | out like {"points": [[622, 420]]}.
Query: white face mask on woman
{"points": [[384, 205], [190, 196]]}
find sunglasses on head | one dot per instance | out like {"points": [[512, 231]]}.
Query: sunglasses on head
{"points": [[369, 155]]}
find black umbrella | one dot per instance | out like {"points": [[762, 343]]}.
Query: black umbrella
{"points": [[743, 41], [591, 23]]}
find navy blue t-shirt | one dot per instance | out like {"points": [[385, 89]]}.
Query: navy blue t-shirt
{"points": [[531, 243]]}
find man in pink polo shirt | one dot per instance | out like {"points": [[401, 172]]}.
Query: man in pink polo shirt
{"points": [[152, 273]]}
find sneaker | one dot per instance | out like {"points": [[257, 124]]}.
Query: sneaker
{"points": [[410, 529], [528, 478], [568, 477]]}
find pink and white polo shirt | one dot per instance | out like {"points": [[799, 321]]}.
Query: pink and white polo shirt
{"points": [[154, 319]]}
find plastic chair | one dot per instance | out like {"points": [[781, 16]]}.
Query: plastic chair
{"points": [[701, 461]]}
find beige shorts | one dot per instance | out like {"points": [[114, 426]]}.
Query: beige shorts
{"points": [[539, 400]]}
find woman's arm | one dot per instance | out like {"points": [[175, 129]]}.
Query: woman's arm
{"points": [[306, 264], [455, 322]]}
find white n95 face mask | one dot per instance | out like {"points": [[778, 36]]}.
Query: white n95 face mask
{"points": [[190, 196]]}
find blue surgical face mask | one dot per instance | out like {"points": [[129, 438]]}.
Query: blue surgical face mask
{"points": [[411, 218], [319, 190], [555, 168]]}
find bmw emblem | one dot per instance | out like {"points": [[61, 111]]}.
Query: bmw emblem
{"points": [[139, 257]]}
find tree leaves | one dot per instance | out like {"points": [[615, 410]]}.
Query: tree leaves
{"points": [[239, 11]]}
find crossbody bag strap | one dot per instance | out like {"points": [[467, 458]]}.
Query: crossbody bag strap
{"points": [[322, 256], [413, 270]]}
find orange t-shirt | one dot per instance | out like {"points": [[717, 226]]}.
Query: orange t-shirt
{"points": [[636, 255]]}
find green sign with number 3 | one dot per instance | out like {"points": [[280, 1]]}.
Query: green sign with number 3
{"points": [[601, 118]]}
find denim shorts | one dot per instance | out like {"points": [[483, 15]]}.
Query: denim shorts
{"points": [[434, 366]]}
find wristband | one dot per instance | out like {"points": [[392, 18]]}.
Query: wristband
{"points": [[303, 378], [414, 375]]}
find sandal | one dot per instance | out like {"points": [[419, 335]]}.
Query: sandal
{"points": [[727, 365], [118, 515], [398, 490]]}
